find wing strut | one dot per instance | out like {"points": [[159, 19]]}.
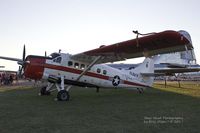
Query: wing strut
{"points": [[91, 64], [138, 33], [86, 70]]}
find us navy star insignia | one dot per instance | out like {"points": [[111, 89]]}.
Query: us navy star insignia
{"points": [[116, 80]]}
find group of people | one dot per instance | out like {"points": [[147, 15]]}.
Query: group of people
{"points": [[6, 79]]}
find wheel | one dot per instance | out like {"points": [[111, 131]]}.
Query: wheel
{"points": [[63, 95], [44, 92]]}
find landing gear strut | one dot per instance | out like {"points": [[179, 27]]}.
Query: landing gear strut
{"points": [[63, 94], [46, 90]]}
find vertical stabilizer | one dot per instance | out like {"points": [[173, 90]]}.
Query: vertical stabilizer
{"points": [[147, 67]]}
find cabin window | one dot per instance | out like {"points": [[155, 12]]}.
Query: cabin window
{"points": [[98, 70], [82, 66], [76, 65], [104, 72], [70, 63]]}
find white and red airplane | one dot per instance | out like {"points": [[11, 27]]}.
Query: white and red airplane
{"points": [[88, 69]]}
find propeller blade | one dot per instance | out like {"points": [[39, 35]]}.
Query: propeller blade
{"points": [[45, 54], [22, 63], [24, 53], [19, 70]]}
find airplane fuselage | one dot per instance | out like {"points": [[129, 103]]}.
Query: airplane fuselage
{"points": [[100, 75], [88, 69]]}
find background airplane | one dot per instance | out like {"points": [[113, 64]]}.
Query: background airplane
{"points": [[169, 64]]}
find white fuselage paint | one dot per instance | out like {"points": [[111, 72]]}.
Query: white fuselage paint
{"points": [[107, 77]]}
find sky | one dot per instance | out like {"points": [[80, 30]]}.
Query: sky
{"points": [[76, 26]]}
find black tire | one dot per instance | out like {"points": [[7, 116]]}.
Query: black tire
{"points": [[63, 95], [44, 92]]}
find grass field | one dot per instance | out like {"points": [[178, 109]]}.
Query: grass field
{"points": [[159, 109]]}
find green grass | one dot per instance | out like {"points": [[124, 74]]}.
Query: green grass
{"points": [[109, 111]]}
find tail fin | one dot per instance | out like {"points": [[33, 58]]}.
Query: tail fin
{"points": [[146, 67], [145, 70]]}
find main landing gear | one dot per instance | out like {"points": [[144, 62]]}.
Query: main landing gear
{"points": [[63, 94]]}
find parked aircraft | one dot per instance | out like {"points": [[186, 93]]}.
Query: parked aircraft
{"points": [[163, 69], [88, 69]]}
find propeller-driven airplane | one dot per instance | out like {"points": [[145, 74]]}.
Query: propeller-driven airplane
{"points": [[88, 69], [164, 69]]}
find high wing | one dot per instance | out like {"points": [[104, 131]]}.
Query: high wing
{"points": [[157, 43]]}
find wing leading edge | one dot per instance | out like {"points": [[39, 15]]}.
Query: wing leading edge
{"points": [[158, 43]]}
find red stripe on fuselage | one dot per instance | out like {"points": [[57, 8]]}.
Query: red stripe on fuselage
{"points": [[75, 71], [134, 84], [35, 69], [91, 74]]}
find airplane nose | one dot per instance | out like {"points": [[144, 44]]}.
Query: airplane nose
{"points": [[187, 36]]}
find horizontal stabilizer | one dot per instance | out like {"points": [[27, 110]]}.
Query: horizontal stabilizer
{"points": [[175, 65], [170, 71], [152, 74]]}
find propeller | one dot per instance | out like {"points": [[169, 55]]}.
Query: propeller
{"points": [[24, 53], [20, 71], [22, 62]]}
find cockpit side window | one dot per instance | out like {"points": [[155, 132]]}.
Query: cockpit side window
{"points": [[57, 60]]}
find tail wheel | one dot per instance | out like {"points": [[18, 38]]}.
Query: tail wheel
{"points": [[43, 91], [63, 95], [140, 90]]}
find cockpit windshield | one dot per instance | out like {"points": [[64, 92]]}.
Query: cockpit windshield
{"points": [[54, 55]]}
